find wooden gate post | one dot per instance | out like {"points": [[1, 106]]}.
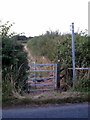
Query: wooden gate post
{"points": [[58, 75]]}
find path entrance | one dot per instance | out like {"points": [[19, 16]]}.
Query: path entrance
{"points": [[42, 77]]}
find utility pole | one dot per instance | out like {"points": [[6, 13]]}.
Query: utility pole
{"points": [[73, 56]]}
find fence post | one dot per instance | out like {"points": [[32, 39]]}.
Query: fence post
{"points": [[58, 75]]}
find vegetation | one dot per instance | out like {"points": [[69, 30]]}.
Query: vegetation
{"points": [[14, 64], [49, 98], [56, 46], [23, 38], [53, 44], [83, 84]]}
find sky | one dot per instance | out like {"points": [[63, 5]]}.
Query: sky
{"points": [[35, 17]]}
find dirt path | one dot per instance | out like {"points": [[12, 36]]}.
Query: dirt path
{"points": [[31, 59], [40, 60], [34, 59]]}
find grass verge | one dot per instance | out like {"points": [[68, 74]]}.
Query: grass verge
{"points": [[80, 98]]}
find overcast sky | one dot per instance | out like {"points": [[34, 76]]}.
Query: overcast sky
{"points": [[35, 17]]}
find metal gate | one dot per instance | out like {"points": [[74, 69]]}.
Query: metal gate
{"points": [[42, 77]]}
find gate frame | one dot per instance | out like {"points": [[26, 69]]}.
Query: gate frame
{"points": [[55, 70]]}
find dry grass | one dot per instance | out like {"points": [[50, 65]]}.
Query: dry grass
{"points": [[53, 95], [47, 98]]}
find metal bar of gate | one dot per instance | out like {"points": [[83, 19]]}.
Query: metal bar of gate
{"points": [[41, 90], [40, 71], [41, 64], [41, 84], [54, 74], [80, 68], [40, 78], [56, 78]]}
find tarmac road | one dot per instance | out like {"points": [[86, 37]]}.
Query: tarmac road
{"points": [[54, 111]]}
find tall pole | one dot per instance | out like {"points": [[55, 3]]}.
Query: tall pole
{"points": [[73, 56]]}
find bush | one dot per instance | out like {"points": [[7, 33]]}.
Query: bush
{"points": [[53, 45], [83, 85], [56, 46], [14, 63]]}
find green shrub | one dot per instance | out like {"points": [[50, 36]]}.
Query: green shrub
{"points": [[53, 45], [56, 46], [14, 63], [83, 85]]}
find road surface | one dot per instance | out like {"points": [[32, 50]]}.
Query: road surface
{"points": [[54, 111]]}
